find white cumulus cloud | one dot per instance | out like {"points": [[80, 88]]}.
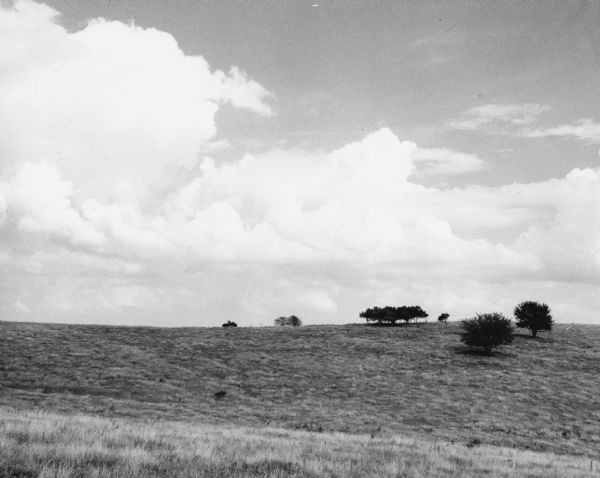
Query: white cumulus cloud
{"points": [[97, 224], [115, 107]]}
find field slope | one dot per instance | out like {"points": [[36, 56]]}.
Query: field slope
{"points": [[540, 394]]}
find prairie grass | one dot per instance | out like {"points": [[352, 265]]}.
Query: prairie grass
{"points": [[38, 444], [539, 394]]}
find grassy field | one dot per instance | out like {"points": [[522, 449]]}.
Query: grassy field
{"points": [[418, 382], [37, 444]]}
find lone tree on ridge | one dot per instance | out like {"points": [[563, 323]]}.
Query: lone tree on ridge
{"points": [[533, 316], [487, 330], [443, 317]]}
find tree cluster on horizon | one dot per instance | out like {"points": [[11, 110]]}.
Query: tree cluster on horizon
{"points": [[488, 331], [391, 315]]}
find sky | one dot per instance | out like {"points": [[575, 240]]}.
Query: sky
{"points": [[188, 163]]}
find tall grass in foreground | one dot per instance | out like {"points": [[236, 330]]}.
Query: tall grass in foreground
{"points": [[47, 445]]}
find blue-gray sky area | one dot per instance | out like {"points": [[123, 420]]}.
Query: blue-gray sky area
{"points": [[188, 163]]}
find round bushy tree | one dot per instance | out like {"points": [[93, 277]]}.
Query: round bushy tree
{"points": [[443, 317], [410, 312], [487, 330], [533, 316], [378, 314]]}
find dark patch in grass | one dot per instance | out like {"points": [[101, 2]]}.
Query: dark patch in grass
{"points": [[479, 352], [529, 337], [158, 446], [17, 471], [269, 467], [473, 442], [220, 395], [18, 436], [200, 468]]}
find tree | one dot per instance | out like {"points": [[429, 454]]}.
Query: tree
{"points": [[375, 314], [391, 315], [533, 316], [487, 330], [292, 320], [229, 323], [407, 313], [443, 317]]}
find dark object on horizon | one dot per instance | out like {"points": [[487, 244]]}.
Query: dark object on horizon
{"points": [[392, 314], [443, 317], [292, 320], [487, 330], [220, 394], [229, 323], [533, 316]]}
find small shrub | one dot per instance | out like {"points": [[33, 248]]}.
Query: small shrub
{"points": [[229, 323], [487, 331], [292, 320]]}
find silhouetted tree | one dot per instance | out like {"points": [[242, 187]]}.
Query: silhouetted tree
{"points": [[487, 330], [377, 314], [391, 315], [292, 320], [443, 317], [229, 323], [533, 316], [408, 313]]}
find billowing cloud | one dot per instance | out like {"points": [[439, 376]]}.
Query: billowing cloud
{"points": [[98, 223], [115, 107], [329, 224], [574, 231], [39, 201]]}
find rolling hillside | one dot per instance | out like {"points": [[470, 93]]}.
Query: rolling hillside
{"points": [[418, 381]]}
